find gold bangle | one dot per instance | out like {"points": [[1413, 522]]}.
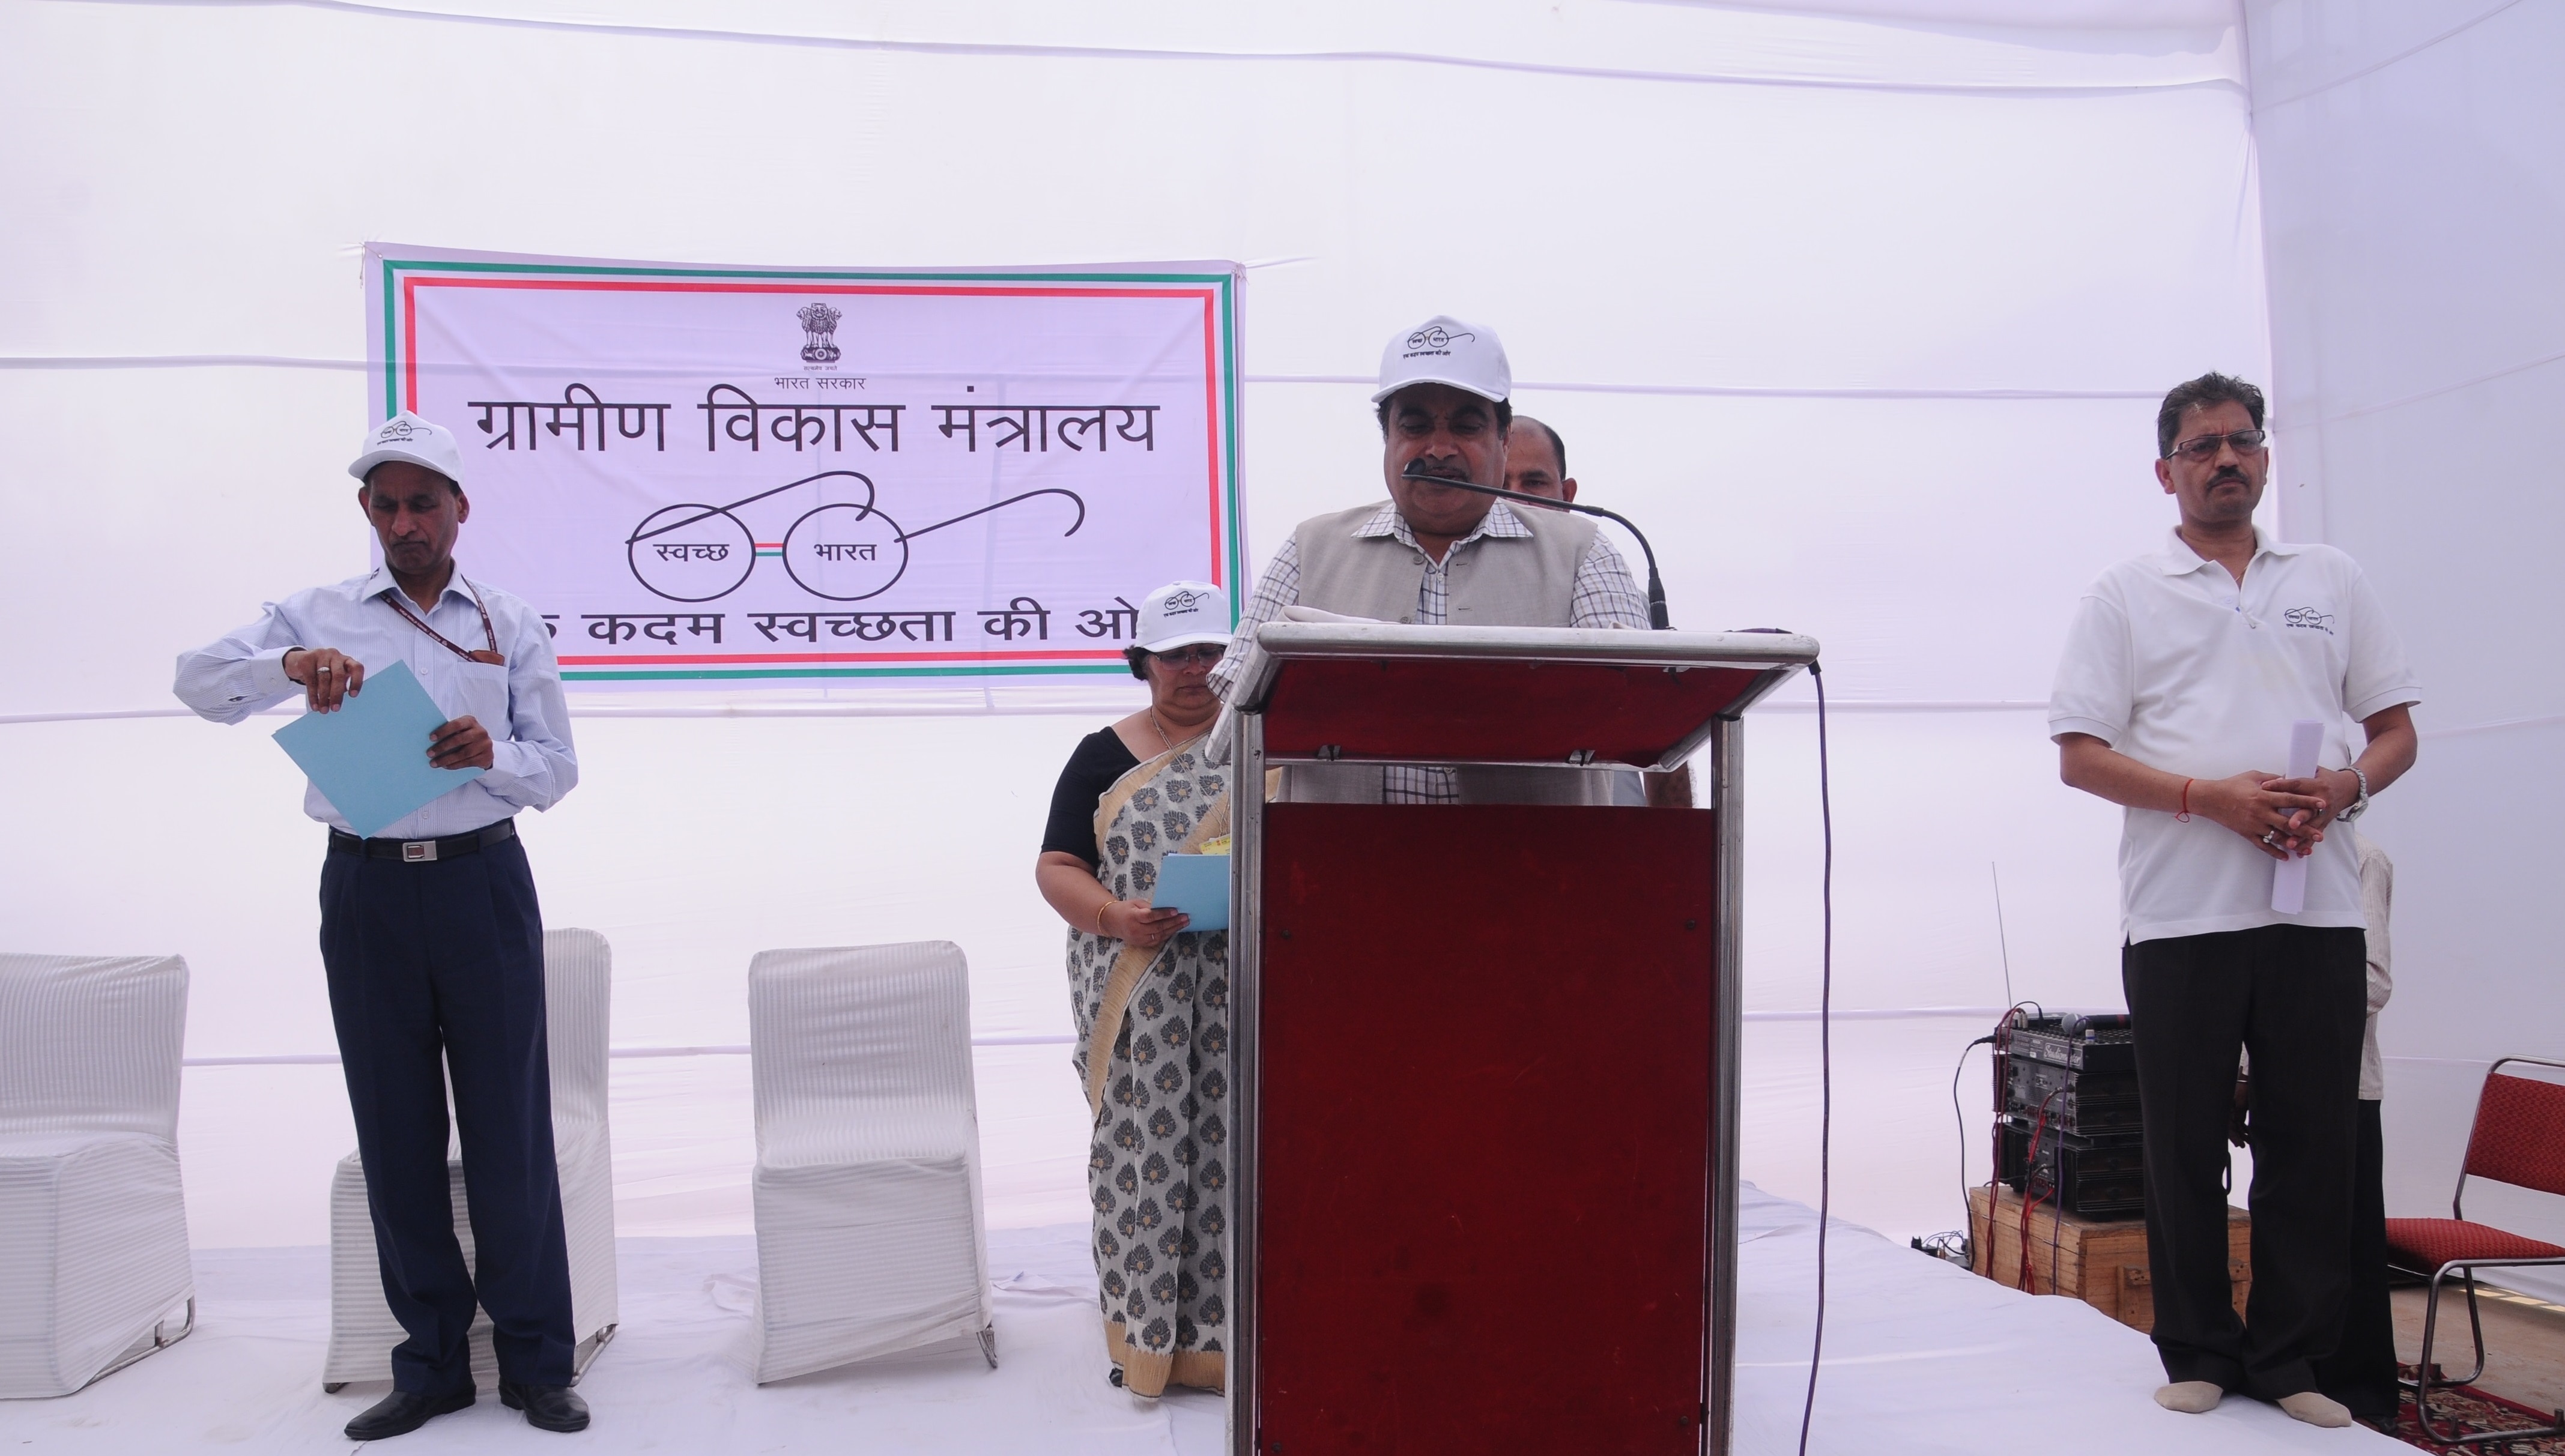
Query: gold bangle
{"points": [[1110, 903]]}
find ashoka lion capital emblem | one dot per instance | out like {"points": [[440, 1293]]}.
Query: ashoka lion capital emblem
{"points": [[819, 326]]}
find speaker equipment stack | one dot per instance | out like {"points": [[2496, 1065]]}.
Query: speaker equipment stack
{"points": [[2067, 1127]]}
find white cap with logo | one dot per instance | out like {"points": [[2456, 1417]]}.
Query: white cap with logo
{"points": [[408, 437], [1445, 350], [1181, 613]]}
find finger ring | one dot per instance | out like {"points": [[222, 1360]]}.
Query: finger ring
{"points": [[2267, 834], [324, 667]]}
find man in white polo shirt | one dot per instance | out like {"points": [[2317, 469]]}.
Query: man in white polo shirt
{"points": [[2182, 674]]}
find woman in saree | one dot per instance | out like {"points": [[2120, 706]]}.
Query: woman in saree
{"points": [[1151, 1002]]}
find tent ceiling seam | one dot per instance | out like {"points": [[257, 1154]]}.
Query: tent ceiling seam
{"points": [[330, 1059], [849, 710], [1562, 386], [1123, 53], [2496, 725], [2370, 70], [2399, 402], [833, 709], [176, 361], [1747, 391]]}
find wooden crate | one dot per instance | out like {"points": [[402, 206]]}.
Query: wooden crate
{"points": [[2101, 1261]]}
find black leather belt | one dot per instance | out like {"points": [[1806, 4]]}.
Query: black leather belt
{"points": [[424, 851]]}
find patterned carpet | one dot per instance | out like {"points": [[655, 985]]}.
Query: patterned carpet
{"points": [[2474, 1411]]}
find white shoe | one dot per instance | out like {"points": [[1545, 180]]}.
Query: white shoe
{"points": [[2198, 1397], [2316, 1411]]}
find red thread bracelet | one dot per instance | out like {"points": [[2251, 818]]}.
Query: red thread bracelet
{"points": [[2183, 814]]}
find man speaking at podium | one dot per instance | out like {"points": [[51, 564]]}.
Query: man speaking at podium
{"points": [[1432, 556], [431, 936]]}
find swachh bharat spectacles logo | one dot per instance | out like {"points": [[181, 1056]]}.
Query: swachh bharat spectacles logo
{"points": [[1434, 340]]}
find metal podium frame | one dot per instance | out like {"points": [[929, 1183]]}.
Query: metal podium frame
{"points": [[1773, 656]]}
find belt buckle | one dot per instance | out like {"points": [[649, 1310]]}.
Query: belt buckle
{"points": [[418, 851]]}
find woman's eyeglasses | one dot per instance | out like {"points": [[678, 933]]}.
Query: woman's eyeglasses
{"points": [[2246, 442], [1200, 655]]}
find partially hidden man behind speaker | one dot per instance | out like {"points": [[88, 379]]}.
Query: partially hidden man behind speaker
{"points": [[431, 936], [1434, 556], [2184, 672]]}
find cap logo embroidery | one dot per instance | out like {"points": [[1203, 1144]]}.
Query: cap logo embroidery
{"points": [[1184, 601], [1434, 341]]}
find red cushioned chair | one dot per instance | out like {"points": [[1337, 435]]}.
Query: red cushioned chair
{"points": [[2519, 1138]]}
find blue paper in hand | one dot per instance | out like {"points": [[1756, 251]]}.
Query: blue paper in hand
{"points": [[1198, 884], [370, 758]]}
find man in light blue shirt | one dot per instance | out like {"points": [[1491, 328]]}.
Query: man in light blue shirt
{"points": [[431, 933]]}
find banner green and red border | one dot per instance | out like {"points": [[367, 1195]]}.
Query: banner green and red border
{"points": [[402, 277]]}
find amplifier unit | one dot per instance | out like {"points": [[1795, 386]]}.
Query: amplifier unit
{"points": [[2096, 1176], [2082, 1103], [2078, 1043]]}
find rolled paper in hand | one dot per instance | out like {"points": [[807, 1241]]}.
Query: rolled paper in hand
{"points": [[2290, 876]]}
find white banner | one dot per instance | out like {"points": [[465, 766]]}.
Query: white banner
{"points": [[812, 483]]}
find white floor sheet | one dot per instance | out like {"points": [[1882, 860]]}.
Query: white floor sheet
{"points": [[1920, 1357]]}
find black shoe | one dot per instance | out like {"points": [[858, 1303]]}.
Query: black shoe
{"points": [[546, 1408], [405, 1412]]}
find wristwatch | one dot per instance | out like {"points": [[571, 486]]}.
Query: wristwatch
{"points": [[2360, 806]]}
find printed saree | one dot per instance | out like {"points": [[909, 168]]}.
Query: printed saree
{"points": [[1153, 1053]]}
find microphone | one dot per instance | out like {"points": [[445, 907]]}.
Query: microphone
{"points": [[1657, 617]]}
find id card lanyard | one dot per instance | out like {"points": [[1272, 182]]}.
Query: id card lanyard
{"points": [[491, 655]]}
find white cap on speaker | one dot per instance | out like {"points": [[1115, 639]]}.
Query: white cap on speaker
{"points": [[408, 437], [1181, 613], [1445, 350]]}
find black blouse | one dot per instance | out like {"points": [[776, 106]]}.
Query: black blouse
{"points": [[1101, 757]]}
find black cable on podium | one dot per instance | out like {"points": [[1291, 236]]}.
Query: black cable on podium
{"points": [[1825, 1049], [1658, 619]]}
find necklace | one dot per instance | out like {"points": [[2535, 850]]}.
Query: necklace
{"points": [[1164, 741]]}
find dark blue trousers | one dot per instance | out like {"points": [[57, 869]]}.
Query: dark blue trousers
{"points": [[433, 967]]}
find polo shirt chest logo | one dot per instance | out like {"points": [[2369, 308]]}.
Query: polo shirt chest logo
{"points": [[2310, 619]]}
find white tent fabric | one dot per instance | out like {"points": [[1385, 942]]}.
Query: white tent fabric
{"points": [[93, 1220], [1861, 312], [1862, 316], [577, 993], [2412, 194], [870, 1234]]}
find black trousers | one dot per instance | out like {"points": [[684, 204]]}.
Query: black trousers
{"points": [[436, 966], [2295, 996], [2361, 1373]]}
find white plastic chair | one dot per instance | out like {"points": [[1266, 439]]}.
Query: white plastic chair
{"points": [[92, 1221], [578, 989], [870, 1237]]}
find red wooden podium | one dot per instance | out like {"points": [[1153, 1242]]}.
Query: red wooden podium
{"points": [[1485, 1095]]}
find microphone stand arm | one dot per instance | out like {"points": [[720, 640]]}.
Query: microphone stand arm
{"points": [[1657, 616]]}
